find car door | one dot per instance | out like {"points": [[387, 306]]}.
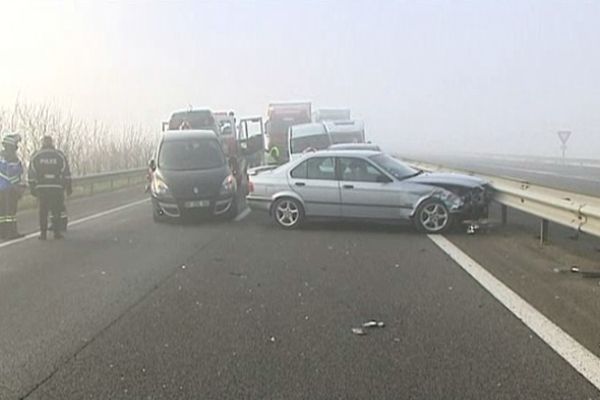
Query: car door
{"points": [[315, 181], [366, 192]]}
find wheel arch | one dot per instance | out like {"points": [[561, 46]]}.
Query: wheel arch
{"points": [[286, 194]]}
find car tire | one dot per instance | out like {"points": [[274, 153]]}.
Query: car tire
{"points": [[432, 216], [233, 210], [288, 213]]}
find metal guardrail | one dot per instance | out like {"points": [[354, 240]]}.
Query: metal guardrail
{"points": [[576, 211], [93, 181], [575, 162]]}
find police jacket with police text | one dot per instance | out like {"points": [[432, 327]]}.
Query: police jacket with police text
{"points": [[49, 169]]}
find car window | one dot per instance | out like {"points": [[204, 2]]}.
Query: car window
{"points": [[316, 168], [300, 171], [359, 170]]}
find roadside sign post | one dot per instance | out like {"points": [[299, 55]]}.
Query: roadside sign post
{"points": [[564, 137]]}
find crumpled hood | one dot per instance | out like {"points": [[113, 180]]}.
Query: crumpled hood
{"points": [[446, 178]]}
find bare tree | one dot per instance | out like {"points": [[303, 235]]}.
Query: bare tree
{"points": [[90, 146]]}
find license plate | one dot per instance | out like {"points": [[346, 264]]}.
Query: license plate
{"points": [[197, 204]]}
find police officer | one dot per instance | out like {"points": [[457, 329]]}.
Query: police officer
{"points": [[49, 178], [11, 171]]}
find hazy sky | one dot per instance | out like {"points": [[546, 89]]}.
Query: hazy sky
{"points": [[499, 76]]}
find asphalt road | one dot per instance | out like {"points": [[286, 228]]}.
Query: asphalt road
{"points": [[129, 309], [579, 179]]}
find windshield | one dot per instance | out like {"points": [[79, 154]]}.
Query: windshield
{"points": [[190, 154], [394, 167]]}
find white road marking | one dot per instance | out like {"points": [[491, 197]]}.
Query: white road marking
{"points": [[78, 221], [580, 358], [245, 212]]}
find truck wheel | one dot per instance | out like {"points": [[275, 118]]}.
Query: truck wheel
{"points": [[432, 216], [288, 212]]}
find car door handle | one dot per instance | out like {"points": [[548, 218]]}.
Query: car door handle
{"points": [[300, 184], [348, 186]]}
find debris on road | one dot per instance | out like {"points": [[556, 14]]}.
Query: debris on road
{"points": [[272, 339], [576, 270], [359, 331], [472, 229], [373, 324], [238, 275], [329, 247], [183, 267]]}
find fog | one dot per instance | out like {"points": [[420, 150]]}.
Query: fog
{"points": [[485, 76]]}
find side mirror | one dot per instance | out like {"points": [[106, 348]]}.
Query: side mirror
{"points": [[383, 179], [152, 165]]}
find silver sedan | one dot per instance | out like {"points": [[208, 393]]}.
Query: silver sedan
{"points": [[366, 185]]}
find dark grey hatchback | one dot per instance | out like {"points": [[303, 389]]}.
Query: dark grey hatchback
{"points": [[191, 177]]}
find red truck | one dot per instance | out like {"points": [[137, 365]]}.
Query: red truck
{"points": [[280, 117]]}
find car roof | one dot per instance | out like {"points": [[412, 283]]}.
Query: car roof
{"points": [[347, 153], [354, 146], [189, 134]]}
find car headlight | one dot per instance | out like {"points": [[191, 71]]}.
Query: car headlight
{"points": [[229, 185], [160, 188]]}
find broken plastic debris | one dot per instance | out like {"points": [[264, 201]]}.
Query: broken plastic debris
{"points": [[473, 229], [359, 331], [272, 339], [397, 265], [585, 273], [183, 267], [373, 324], [103, 272]]}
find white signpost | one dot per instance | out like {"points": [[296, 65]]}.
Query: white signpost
{"points": [[564, 137]]}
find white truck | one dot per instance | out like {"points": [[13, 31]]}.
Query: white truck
{"points": [[320, 135]]}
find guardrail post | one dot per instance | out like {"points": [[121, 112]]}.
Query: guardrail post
{"points": [[504, 214], [544, 226]]}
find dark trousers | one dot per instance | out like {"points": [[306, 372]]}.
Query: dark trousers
{"points": [[51, 201], [9, 199]]}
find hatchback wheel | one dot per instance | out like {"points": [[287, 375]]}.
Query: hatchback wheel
{"points": [[433, 216], [288, 213]]}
